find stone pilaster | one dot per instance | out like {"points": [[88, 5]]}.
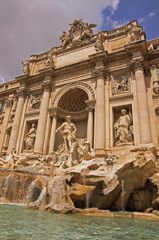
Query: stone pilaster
{"points": [[21, 93], [107, 115], [100, 110], [144, 122], [40, 135], [53, 129], [90, 124]]}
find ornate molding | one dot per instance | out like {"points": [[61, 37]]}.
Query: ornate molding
{"points": [[101, 73], [137, 65], [22, 92], [46, 86]]}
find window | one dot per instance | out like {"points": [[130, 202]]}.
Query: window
{"points": [[156, 47], [2, 106]]}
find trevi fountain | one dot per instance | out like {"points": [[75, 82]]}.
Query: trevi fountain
{"points": [[79, 137]]}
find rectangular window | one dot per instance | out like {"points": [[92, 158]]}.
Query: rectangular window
{"points": [[2, 106]]}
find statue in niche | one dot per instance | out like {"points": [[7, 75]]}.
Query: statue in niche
{"points": [[123, 133], [34, 102], [25, 67], [68, 131], [30, 138]]}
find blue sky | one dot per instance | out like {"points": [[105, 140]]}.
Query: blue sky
{"points": [[33, 26], [145, 11]]}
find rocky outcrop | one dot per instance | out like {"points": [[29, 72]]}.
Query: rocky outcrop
{"points": [[131, 183]]}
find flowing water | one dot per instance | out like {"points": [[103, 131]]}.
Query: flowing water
{"points": [[19, 223]]}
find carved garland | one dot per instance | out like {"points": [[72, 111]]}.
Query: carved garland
{"points": [[87, 88]]}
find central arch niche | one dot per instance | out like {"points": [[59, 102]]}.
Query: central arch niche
{"points": [[73, 103], [73, 100]]}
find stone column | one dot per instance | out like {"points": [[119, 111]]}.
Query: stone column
{"points": [[90, 126], [53, 134], [17, 119], [144, 121], [100, 110], [107, 115], [40, 135]]}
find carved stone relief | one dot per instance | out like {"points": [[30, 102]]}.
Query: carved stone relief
{"points": [[135, 33], [34, 102], [79, 32], [120, 83]]}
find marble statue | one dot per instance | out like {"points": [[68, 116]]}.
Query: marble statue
{"points": [[98, 44], [65, 38], [67, 130], [22, 161], [49, 60], [123, 134], [30, 138], [10, 159], [88, 152], [25, 67]]}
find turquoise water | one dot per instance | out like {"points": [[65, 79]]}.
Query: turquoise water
{"points": [[19, 223]]}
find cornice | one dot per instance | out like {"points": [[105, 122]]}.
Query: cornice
{"points": [[121, 97]]}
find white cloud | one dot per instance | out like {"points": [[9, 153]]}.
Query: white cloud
{"points": [[140, 20], [2, 80], [33, 26], [152, 14], [114, 23]]}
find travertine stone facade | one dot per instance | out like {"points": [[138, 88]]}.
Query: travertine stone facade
{"points": [[108, 83]]}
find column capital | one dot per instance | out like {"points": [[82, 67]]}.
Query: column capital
{"points": [[46, 86], [54, 115], [22, 92], [101, 73], [90, 104], [137, 64]]}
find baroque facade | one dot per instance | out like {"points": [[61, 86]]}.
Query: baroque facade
{"points": [[107, 83]]}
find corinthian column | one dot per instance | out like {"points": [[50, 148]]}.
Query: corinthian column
{"points": [[100, 110], [53, 129], [40, 134], [144, 121], [17, 119]]}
